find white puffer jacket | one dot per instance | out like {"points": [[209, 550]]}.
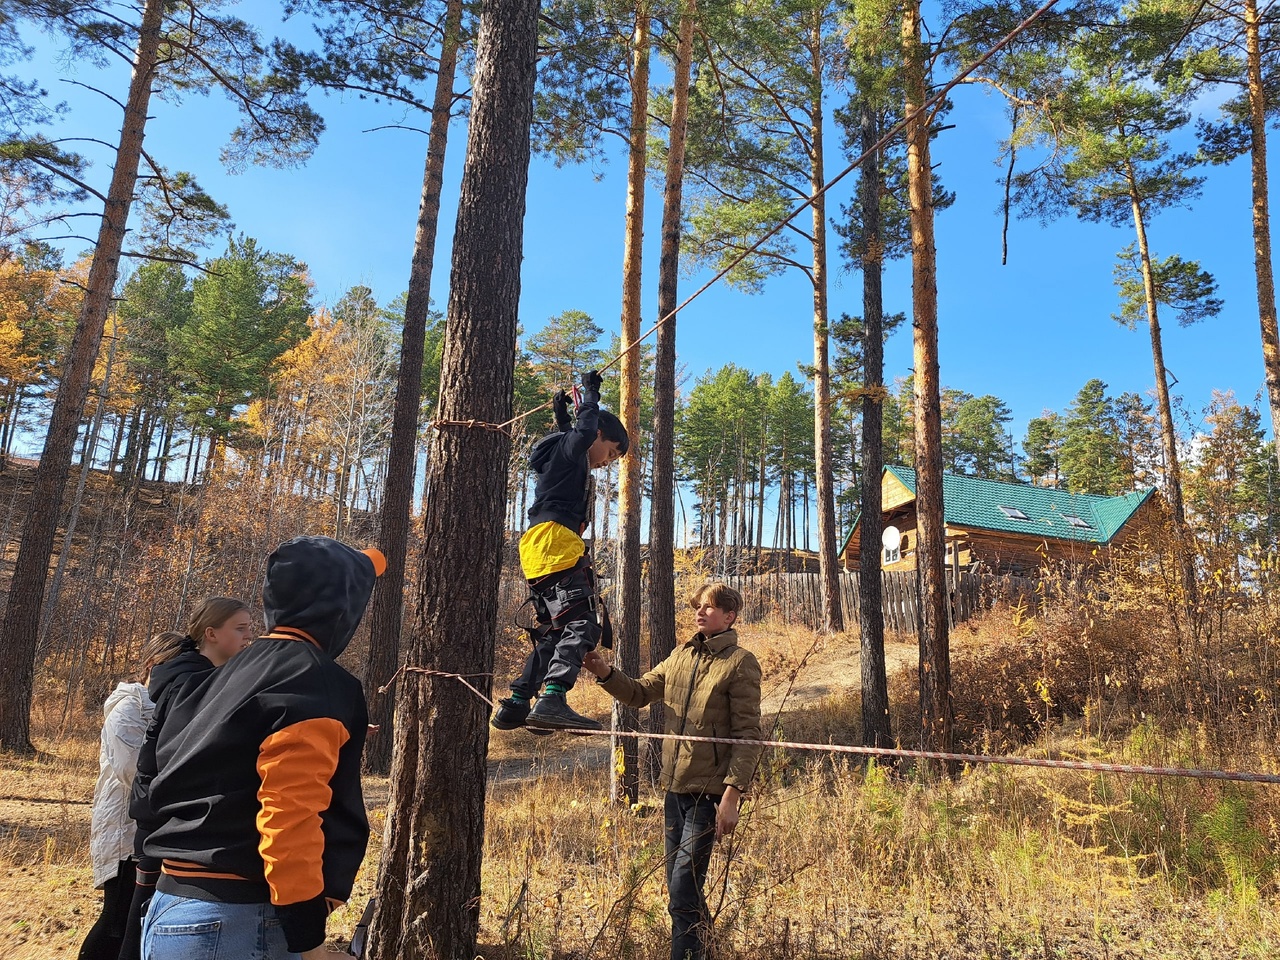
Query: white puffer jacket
{"points": [[126, 715]]}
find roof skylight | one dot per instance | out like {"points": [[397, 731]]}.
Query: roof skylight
{"points": [[1013, 513], [1075, 521]]}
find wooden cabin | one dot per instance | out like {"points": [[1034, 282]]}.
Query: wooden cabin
{"points": [[1002, 527]]}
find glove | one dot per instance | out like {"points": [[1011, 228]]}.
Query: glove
{"points": [[591, 383], [560, 407]]}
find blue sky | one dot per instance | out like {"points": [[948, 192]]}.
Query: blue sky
{"points": [[1031, 332]]}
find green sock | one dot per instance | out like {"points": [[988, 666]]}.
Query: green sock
{"points": [[555, 690], [519, 697]]}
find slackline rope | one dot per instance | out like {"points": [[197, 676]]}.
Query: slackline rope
{"points": [[1141, 770], [870, 152]]}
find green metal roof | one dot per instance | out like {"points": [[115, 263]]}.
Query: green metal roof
{"points": [[974, 502]]}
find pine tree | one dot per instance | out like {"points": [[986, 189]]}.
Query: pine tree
{"points": [[429, 878], [1043, 447], [247, 309], [1090, 456], [200, 51], [1110, 131]]}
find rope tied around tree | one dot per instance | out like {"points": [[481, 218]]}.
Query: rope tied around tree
{"points": [[477, 424]]}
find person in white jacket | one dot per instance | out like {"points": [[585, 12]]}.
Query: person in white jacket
{"points": [[126, 715]]}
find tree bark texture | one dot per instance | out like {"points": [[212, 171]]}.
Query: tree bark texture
{"points": [[429, 880], [1262, 213], [627, 774], [662, 532], [828, 561], [386, 615], [936, 710], [876, 730], [26, 590]]}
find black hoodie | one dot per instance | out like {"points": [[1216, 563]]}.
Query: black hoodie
{"points": [[561, 491], [259, 791], [165, 684]]}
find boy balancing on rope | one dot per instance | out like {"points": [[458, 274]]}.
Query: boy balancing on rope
{"points": [[711, 688], [554, 559], [261, 819]]}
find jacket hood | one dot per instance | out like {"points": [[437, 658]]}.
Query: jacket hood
{"points": [[187, 662], [125, 692], [543, 451], [321, 587]]}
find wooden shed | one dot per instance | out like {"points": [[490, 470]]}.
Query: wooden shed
{"points": [[1004, 527]]}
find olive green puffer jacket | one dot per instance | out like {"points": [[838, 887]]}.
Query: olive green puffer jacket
{"points": [[711, 688]]}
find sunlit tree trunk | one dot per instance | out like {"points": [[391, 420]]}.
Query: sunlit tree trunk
{"points": [[26, 590], [626, 779], [1164, 405], [662, 574], [832, 618], [1262, 213], [429, 880], [386, 615], [935, 655]]}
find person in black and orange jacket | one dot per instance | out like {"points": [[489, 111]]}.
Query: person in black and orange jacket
{"points": [[261, 818]]}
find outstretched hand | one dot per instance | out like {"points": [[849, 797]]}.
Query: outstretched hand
{"points": [[591, 380], [594, 663]]}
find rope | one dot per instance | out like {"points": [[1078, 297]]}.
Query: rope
{"points": [[1134, 769], [777, 228]]}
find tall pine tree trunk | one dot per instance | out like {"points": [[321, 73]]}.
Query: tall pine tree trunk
{"points": [[876, 730], [1164, 404], [429, 880], [627, 778], [935, 655], [26, 590], [662, 533], [832, 616], [386, 615], [1262, 213]]}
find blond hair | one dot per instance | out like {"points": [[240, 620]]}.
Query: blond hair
{"points": [[214, 612], [719, 595]]}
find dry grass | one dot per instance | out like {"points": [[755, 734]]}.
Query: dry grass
{"points": [[830, 860]]}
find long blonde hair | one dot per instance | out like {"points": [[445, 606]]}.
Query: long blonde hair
{"points": [[214, 612]]}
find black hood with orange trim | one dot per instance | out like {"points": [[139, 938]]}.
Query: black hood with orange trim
{"points": [[320, 586]]}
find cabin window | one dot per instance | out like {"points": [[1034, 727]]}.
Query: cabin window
{"points": [[1013, 513], [892, 556], [1075, 521], [906, 544]]}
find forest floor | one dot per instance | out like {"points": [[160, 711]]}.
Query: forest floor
{"points": [[569, 875], [47, 900]]}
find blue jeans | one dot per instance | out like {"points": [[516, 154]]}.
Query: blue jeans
{"points": [[179, 928], [690, 835]]}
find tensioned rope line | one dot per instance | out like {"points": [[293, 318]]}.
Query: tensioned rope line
{"points": [[1192, 773], [809, 201]]}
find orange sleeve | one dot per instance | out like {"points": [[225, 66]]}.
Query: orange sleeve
{"points": [[296, 765]]}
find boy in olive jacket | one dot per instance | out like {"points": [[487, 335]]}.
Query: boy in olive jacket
{"points": [[711, 688]]}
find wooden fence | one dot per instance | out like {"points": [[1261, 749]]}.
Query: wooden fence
{"points": [[796, 597]]}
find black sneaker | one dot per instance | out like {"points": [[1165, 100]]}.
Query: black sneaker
{"points": [[552, 713], [511, 715]]}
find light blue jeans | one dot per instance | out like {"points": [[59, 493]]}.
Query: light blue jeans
{"points": [[179, 928]]}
